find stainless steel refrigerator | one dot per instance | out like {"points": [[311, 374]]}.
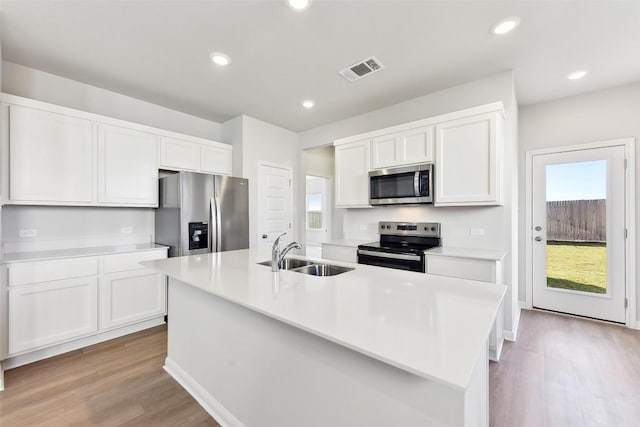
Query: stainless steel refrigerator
{"points": [[200, 213]]}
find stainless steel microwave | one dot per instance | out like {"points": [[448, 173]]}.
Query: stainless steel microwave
{"points": [[401, 186]]}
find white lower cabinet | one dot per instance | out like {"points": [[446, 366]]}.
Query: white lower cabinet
{"points": [[472, 264], [56, 301], [130, 297], [52, 312]]}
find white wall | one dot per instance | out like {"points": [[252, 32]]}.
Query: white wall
{"points": [[35, 84], [261, 141], [65, 227], [499, 222], [597, 116]]}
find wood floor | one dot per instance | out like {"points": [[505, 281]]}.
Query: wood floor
{"points": [[116, 383], [566, 371], [563, 371]]}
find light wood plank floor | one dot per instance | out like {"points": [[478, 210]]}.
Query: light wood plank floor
{"points": [[563, 371], [567, 371], [116, 383]]}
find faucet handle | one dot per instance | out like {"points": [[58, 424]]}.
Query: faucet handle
{"points": [[277, 241]]}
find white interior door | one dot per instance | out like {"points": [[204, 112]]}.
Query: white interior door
{"points": [[578, 220], [275, 204]]}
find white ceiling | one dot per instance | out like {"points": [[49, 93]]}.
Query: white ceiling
{"points": [[159, 51]]}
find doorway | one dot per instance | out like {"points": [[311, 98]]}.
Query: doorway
{"points": [[317, 214], [579, 251]]}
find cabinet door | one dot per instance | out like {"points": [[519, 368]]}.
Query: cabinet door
{"points": [[215, 160], [128, 171], [178, 154], [52, 312], [415, 146], [468, 168], [131, 297], [52, 157], [352, 174], [384, 152], [402, 148]]}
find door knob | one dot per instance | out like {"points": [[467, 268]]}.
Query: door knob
{"points": [[264, 236], [538, 228], [538, 239]]}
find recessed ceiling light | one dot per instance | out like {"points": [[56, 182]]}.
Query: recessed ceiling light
{"points": [[299, 4], [219, 58], [577, 75], [307, 103], [506, 25]]}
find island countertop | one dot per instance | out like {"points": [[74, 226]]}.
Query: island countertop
{"points": [[431, 326]]}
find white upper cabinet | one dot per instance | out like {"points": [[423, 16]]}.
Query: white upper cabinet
{"points": [[215, 160], [128, 170], [179, 154], [402, 148], [352, 174], [52, 157], [207, 157], [469, 161]]}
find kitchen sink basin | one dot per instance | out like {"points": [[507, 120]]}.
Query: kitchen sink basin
{"points": [[289, 263], [310, 267], [323, 269]]}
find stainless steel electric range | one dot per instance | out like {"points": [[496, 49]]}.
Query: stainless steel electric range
{"points": [[402, 245]]}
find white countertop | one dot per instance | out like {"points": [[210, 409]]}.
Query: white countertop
{"points": [[78, 252], [484, 254], [349, 243], [431, 326]]}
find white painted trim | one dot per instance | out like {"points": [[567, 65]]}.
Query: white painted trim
{"points": [[523, 305], [45, 353], [26, 102], [630, 219], [206, 400], [512, 335], [481, 109], [1, 377]]}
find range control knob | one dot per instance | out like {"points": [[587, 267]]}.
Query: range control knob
{"points": [[426, 228], [433, 229], [388, 227]]}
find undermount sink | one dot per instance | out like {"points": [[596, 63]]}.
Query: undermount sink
{"points": [[323, 269], [289, 263], [310, 267]]}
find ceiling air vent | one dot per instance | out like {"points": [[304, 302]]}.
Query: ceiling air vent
{"points": [[361, 69]]}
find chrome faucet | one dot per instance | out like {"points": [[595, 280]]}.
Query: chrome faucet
{"points": [[277, 257]]}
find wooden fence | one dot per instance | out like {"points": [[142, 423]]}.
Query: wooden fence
{"points": [[583, 220]]}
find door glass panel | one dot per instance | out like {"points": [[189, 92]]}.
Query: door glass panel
{"points": [[576, 226]]}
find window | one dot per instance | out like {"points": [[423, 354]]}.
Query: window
{"points": [[314, 211]]}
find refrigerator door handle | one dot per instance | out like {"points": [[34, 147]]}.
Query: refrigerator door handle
{"points": [[218, 225], [213, 227]]}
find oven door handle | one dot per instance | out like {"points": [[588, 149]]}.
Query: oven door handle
{"points": [[408, 257]]}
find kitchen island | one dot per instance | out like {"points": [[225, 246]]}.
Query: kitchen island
{"points": [[369, 347]]}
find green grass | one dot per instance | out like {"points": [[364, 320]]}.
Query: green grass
{"points": [[577, 266]]}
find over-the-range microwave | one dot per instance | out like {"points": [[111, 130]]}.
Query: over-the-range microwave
{"points": [[406, 185]]}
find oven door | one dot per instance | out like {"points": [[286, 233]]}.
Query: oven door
{"points": [[407, 185], [410, 262]]}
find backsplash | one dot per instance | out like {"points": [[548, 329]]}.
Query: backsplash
{"points": [[58, 227], [458, 223]]}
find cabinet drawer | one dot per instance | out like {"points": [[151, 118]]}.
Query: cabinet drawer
{"points": [[46, 271], [130, 261], [340, 253], [51, 313], [473, 269]]}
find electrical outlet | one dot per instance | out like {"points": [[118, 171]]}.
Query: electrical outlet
{"points": [[28, 233], [126, 230], [476, 231]]}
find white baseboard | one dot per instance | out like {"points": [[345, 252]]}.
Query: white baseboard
{"points": [[513, 334], [494, 355], [45, 353], [202, 396]]}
